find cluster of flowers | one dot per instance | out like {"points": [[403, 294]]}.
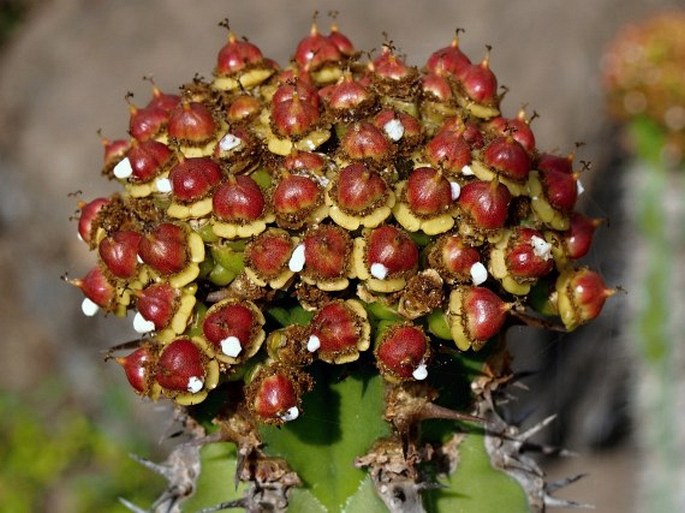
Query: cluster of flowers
{"points": [[347, 188]]}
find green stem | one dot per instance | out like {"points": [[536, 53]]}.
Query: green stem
{"points": [[655, 343]]}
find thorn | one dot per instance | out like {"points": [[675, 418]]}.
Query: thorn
{"points": [[550, 488], [525, 435], [537, 322], [238, 503], [553, 502], [547, 450], [428, 485], [433, 411], [520, 386], [241, 461], [132, 507], [131, 344], [155, 467]]}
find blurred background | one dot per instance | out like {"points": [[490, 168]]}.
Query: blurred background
{"points": [[68, 420]]}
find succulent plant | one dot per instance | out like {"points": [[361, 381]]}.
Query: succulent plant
{"points": [[338, 244], [644, 78]]}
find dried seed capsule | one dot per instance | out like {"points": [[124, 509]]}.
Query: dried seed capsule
{"points": [[267, 257], [98, 290], [385, 258], [581, 296], [193, 182], [316, 50], [480, 83], [457, 261], [347, 99], [88, 213], [165, 249], [359, 197], [192, 124], [449, 151], [294, 118], [553, 196], [422, 294], [518, 128], [401, 128], [520, 258], [139, 368], [119, 253], [578, 239], [240, 208], [402, 353], [426, 201], [449, 61], [339, 331], [173, 252], [475, 315], [114, 152], [484, 206], [505, 156], [145, 167], [237, 55], [164, 309], [326, 264], [234, 329], [240, 64], [289, 346], [147, 123], [274, 394], [185, 372], [298, 200], [364, 141]]}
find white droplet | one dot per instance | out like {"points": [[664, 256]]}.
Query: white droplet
{"points": [[229, 142], [313, 343], [541, 247], [142, 325], [579, 187], [163, 185], [466, 170], [291, 414], [379, 271], [421, 372], [296, 263], [195, 384], [455, 190], [479, 274], [88, 307], [394, 129], [230, 346], [123, 169]]}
